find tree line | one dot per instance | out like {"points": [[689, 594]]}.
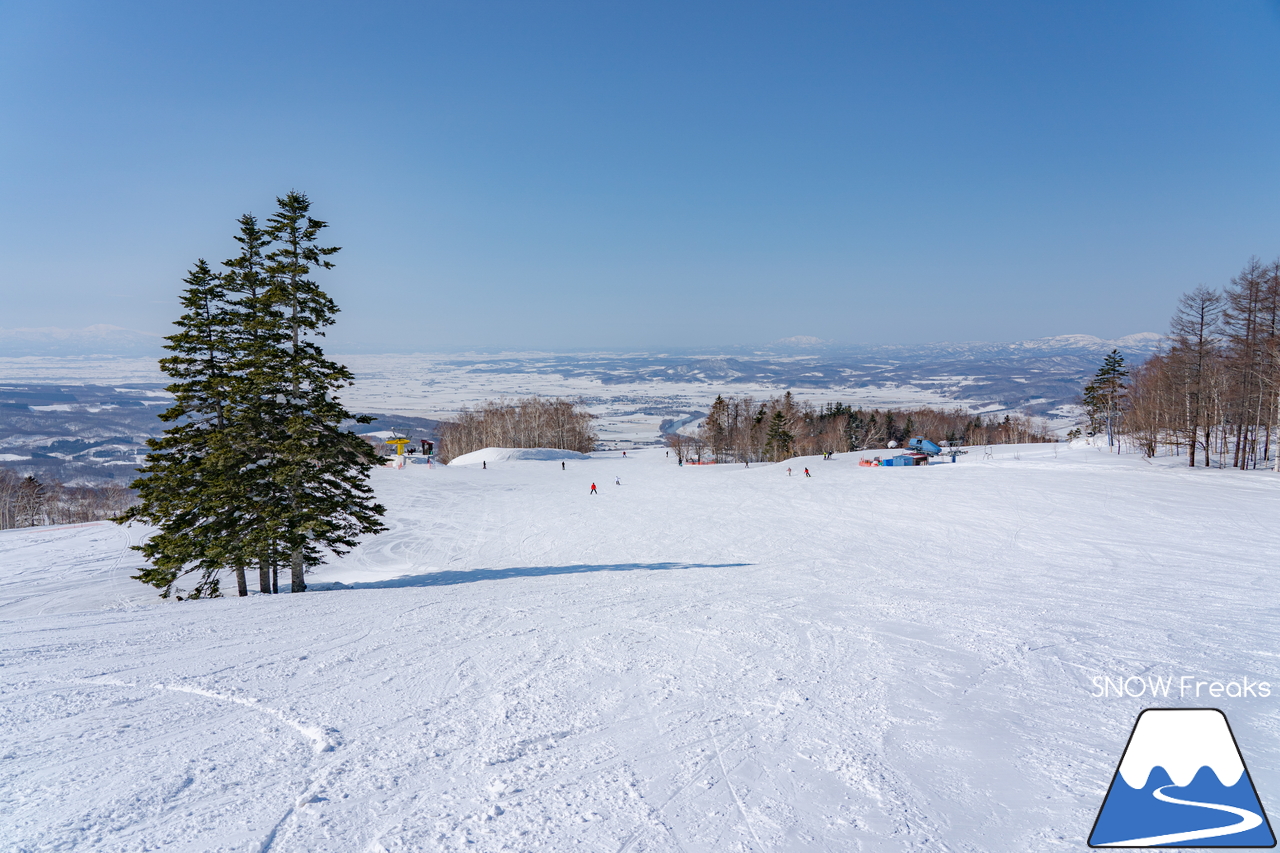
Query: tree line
{"points": [[527, 423], [744, 429], [255, 471], [29, 502], [1214, 392]]}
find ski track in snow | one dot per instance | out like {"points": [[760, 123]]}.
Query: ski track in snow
{"points": [[316, 735], [702, 659]]}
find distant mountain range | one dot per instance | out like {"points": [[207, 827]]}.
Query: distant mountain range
{"points": [[1134, 347]]}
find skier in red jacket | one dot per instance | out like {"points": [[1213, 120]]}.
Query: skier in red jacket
{"points": [[593, 488]]}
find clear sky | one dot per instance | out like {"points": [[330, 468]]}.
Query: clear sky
{"points": [[656, 174]]}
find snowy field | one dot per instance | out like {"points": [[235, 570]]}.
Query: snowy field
{"points": [[629, 409], [699, 659], [437, 386]]}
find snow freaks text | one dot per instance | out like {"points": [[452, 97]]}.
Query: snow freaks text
{"points": [[1182, 687]]}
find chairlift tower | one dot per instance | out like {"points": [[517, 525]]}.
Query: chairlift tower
{"points": [[399, 440]]}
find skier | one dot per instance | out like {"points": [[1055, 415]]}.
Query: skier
{"points": [[788, 472], [593, 488], [484, 466], [806, 473], [562, 465], [617, 481], [624, 454]]}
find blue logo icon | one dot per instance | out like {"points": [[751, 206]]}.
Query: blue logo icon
{"points": [[1182, 783]]}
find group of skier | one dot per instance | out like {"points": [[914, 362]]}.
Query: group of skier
{"points": [[618, 480]]}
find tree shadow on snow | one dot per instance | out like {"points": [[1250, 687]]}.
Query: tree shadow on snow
{"points": [[449, 578]]}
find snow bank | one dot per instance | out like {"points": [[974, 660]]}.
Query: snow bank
{"points": [[515, 454]]}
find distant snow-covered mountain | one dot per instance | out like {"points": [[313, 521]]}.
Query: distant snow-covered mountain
{"points": [[92, 340], [1137, 347], [803, 341]]}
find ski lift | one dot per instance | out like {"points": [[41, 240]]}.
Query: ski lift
{"points": [[399, 440]]}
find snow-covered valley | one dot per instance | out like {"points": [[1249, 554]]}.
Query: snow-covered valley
{"points": [[700, 658], [103, 407]]}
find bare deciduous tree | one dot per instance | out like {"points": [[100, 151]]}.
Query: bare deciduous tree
{"points": [[28, 502], [527, 423], [1216, 391], [742, 429]]}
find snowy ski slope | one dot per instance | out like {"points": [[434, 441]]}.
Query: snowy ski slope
{"points": [[699, 659]]}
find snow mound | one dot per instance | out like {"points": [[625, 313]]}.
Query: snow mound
{"points": [[515, 454]]}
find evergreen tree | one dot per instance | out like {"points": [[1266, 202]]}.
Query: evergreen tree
{"points": [[183, 490], [890, 429], [260, 333], [255, 467], [1104, 395], [321, 469], [715, 429], [855, 431], [779, 438]]}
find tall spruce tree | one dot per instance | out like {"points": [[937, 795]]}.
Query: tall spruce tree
{"points": [[321, 469], [715, 429], [1104, 395], [779, 439], [261, 333], [256, 466], [184, 486]]}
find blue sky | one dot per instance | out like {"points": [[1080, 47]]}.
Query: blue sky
{"points": [[627, 175]]}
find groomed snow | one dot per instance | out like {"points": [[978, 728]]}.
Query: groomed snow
{"points": [[512, 454], [704, 658]]}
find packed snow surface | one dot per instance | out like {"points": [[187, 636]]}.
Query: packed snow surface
{"points": [[512, 454], [703, 658]]}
